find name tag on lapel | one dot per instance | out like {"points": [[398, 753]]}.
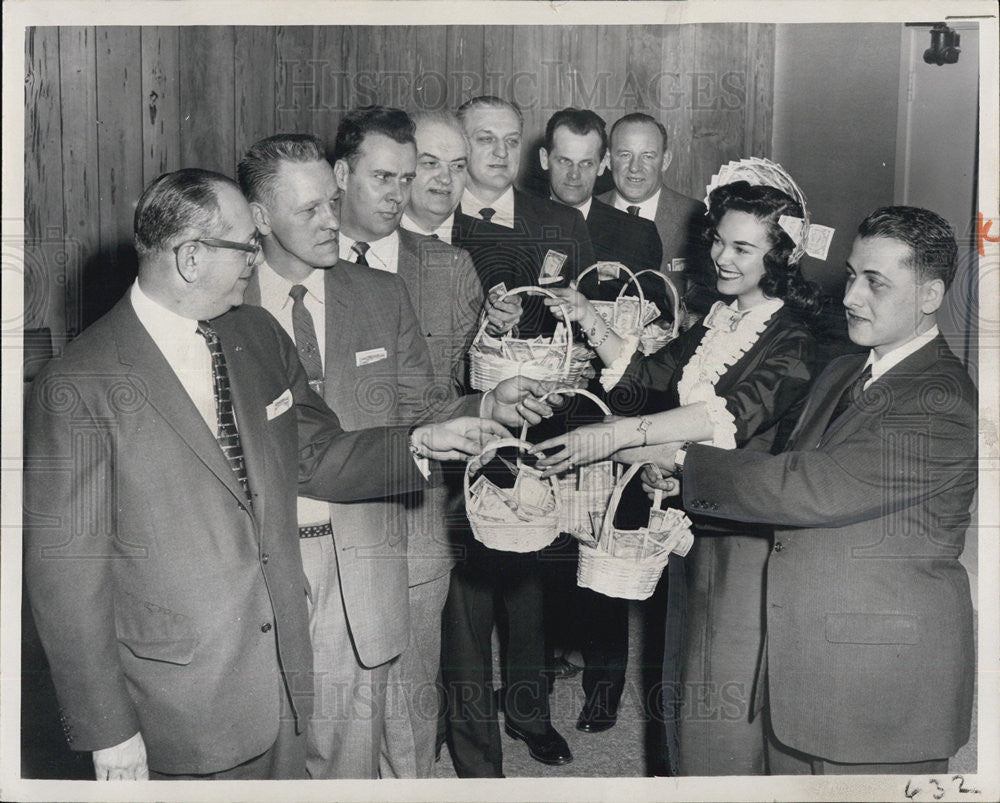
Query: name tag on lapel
{"points": [[280, 405], [370, 356]]}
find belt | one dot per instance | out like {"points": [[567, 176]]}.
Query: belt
{"points": [[316, 530]]}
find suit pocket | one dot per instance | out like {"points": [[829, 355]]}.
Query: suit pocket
{"points": [[872, 628], [153, 632]]}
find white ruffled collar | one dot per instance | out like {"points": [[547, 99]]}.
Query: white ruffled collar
{"points": [[731, 333]]}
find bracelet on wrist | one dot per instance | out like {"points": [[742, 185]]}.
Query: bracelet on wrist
{"points": [[592, 333], [414, 446], [643, 427]]}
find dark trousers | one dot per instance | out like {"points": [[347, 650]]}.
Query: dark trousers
{"points": [[605, 643], [503, 587]]}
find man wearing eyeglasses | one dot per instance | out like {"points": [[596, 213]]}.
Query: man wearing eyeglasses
{"points": [[163, 454]]}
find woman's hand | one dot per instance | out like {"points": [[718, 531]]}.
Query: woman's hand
{"points": [[573, 305], [589, 444]]}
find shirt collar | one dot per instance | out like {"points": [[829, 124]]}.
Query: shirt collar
{"points": [[275, 286], [503, 206], [882, 364], [163, 325], [647, 209], [443, 231], [584, 207], [381, 255]]}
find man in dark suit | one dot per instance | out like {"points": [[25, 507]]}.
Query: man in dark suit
{"points": [[509, 233], [869, 615], [163, 452], [575, 153], [639, 157]]}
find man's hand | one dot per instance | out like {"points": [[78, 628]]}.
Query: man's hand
{"points": [[458, 438], [653, 481], [501, 316], [123, 762], [518, 400]]}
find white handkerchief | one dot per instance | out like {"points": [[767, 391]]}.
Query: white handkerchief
{"points": [[370, 356], [280, 405]]}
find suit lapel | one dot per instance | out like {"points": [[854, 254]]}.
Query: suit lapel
{"points": [[167, 396], [812, 423], [337, 293], [408, 264]]}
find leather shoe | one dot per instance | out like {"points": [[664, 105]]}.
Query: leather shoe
{"points": [[548, 747], [599, 713], [561, 668]]}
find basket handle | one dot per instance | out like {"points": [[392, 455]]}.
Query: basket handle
{"points": [[631, 280], [616, 495], [501, 444], [574, 392], [674, 297], [536, 290]]}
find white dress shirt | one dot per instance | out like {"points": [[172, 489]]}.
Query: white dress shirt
{"points": [[647, 209], [503, 207], [882, 364], [381, 254], [184, 349], [274, 289], [443, 231]]}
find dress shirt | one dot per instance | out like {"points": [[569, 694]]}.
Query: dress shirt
{"points": [[503, 207], [381, 254], [647, 209], [584, 207], [275, 298], [274, 289], [882, 364], [183, 348], [443, 231]]}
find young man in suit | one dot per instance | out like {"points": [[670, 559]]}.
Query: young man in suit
{"points": [[163, 453], [868, 610], [639, 157], [362, 346], [509, 233]]}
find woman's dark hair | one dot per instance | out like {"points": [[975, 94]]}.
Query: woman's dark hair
{"points": [[782, 278]]}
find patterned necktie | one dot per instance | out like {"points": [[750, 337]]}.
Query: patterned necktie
{"points": [[226, 432], [305, 338], [361, 249], [633, 210], [487, 213], [852, 393]]}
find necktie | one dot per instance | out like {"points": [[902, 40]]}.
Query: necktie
{"points": [[487, 213], [850, 395], [226, 432], [633, 210], [305, 338], [361, 249], [434, 237]]}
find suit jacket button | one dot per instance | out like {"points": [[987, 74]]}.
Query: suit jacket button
{"points": [[264, 558], [778, 546], [714, 506], [265, 628]]}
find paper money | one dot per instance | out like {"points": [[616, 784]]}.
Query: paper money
{"points": [[596, 477], [606, 309], [626, 315], [551, 271], [818, 240], [496, 291], [530, 490], [608, 270]]}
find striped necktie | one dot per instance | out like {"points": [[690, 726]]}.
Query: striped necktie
{"points": [[304, 329], [361, 249], [226, 432]]}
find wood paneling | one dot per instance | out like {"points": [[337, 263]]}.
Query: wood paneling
{"points": [[110, 108]]}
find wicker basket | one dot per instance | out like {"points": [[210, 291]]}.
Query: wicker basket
{"points": [[616, 576], [576, 505], [653, 338], [487, 370], [526, 536], [643, 303]]}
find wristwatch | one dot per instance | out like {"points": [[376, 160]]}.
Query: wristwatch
{"points": [[643, 427], [679, 456]]}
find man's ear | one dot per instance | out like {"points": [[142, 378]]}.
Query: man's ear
{"points": [[341, 169], [668, 156], [931, 295], [543, 158], [187, 261], [261, 219]]}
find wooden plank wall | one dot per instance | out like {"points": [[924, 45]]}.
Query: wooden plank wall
{"points": [[110, 108]]}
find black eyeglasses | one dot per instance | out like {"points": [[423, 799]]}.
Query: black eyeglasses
{"points": [[252, 249]]}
